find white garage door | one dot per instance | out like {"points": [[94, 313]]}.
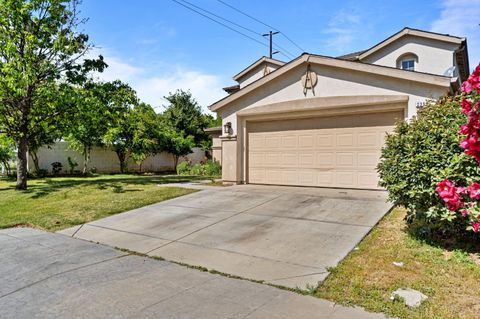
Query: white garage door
{"points": [[341, 151]]}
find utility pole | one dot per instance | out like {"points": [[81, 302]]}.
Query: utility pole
{"points": [[271, 34]]}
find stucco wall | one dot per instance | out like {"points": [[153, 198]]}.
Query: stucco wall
{"points": [[331, 82], [256, 74], [433, 56], [104, 160]]}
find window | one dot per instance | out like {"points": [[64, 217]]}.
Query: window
{"points": [[407, 61], [408, 65]]}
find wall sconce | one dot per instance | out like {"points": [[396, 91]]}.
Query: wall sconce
{"points": [[227, 128]]}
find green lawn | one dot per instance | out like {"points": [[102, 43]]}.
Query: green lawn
{"points": [[56, 203], [367, 277]]}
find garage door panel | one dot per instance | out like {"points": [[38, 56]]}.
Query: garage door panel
{"points": [[306, 141], [325, 178], [368, 160], [368, 139], [289, 141], [289, 159], [272, 142], [289, 177], [325, 140], [257, 175], [325, 159], [367, 180], [301, 152], [346, 179], [345, 140], [257, 142], [307, 177], [306, 159], [346, 160], [271, 159]]}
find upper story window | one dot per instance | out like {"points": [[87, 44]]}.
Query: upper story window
{"points": [[407, 62], [408, 65]]}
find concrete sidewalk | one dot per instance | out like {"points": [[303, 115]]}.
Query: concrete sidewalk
{"points": [[45, 275]]}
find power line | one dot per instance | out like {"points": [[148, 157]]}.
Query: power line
{"points": [[226, 20], [261, 22], [225, 25]]}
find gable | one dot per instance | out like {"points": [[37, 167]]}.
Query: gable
{"points": [[279, 84], [431, 55]]}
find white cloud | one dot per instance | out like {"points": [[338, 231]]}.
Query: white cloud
{"points": [[342, 30], [205, 88], [153, 84], [461, 18]]}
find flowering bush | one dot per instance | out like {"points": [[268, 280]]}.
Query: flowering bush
{"points": [[418, 155], [463, 202]]}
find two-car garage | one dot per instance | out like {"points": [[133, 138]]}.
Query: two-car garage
{"points": [[333, 151]]}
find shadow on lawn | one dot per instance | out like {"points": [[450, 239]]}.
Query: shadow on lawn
{"points": [[45, 186], [459, 240]]}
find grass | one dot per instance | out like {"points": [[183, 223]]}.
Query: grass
{"points": [[367, 277], [56, 203]]}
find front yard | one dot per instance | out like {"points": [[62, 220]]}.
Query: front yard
{"points": [[367, 277], [57, 203]]}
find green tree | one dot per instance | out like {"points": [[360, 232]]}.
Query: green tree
{"points": [[184, 114], [39, 45], [133, 134], [7, 150], [89, 122], [177, 144], [48, 130], [184, 124]]}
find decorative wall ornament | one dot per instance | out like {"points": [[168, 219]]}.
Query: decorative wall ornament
{"points": [[309, 80]]}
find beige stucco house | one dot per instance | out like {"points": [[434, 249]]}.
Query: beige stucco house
{"points": [[321, 121]]}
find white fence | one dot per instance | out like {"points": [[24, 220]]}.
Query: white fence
{"points": [[105, 160]]}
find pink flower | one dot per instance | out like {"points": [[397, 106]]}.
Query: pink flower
{"points": [[465, 212], [465, 129], [450, 195], [467, 87], [466, 106], [474, 190], [476, 227]]}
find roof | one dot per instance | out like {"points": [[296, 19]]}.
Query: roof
{"points": [[421, 77], [213, 129], [255, 64], [358, 55], [414, 32], [351, 56], [231, 89]]}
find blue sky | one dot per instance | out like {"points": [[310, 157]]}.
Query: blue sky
{"points": [[159, 46]]}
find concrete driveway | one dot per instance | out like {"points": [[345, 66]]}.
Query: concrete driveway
{"points": [[286, 236], [45, 275]]}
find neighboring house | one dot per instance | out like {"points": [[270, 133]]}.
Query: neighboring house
{"points": [[321, 121]]}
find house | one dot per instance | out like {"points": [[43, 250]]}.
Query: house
{"points": [[321, 121]]}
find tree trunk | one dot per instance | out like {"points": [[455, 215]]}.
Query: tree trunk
{"points": [[86, 159], [122, 159], [175, 162], [35, 161], [22, 164]]}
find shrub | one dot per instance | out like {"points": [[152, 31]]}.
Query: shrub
{"points": [[212, 168], [183, 168], [73, 164], [197, 169], [420, 154], [56, 168], [209, 168], [461, 199]]}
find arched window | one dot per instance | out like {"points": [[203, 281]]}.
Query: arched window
{"points": [[407, 61]]}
